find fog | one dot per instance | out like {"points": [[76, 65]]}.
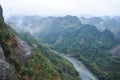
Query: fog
{"points": [[31, 24], [61, 7]]}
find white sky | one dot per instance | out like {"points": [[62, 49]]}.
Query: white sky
{"points": [[61, 7]]}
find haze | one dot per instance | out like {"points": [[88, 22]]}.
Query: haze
{"points": [[61, 7]]}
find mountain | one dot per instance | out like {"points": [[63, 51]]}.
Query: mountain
{"points": [[53, 66], [105, 22], [93, 47], [22, 57], [11, 48], [90, 40], [44, 26]]}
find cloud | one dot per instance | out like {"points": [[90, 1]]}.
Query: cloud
{"points": [[61, 7]]}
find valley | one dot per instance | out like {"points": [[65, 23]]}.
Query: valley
{"points": [[84, 73], [97, 49], [59, 40], [22, 57]]}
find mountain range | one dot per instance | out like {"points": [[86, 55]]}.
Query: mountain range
{"points": [[22, 57], [94, 41]]}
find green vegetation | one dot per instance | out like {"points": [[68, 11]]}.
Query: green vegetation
{"points": [[84, 42], [4, 36], [93, 51], [91, 46], [45, 64]]}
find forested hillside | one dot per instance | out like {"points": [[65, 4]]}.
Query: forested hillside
{"points": [[98, 49], [50, 65], [22, 57]]}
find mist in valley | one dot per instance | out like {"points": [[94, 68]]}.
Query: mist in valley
{"points": [[68, 39]]}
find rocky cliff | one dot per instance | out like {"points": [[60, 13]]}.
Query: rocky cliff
{"points": [[1, 13], [10, 46]]}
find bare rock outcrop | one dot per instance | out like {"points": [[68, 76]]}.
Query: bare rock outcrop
{"points": [[22, 51], [5, 71]]}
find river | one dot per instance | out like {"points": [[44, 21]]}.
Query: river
{"points": [[84, 73]]}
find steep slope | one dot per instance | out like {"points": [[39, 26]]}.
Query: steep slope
{"points": [[13, 50], [58, 67], [20, 61], [5, 70]]}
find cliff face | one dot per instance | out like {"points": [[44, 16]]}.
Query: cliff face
{"points": [[5, 72], [21, 49], [10, 46]]}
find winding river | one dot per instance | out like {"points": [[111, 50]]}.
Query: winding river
{"points": [[84, 73]]}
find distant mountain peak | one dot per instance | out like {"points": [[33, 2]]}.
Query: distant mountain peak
{"points": [[74, 19]]}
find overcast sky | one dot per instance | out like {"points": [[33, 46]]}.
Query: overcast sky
{"points": [[61, 7]]}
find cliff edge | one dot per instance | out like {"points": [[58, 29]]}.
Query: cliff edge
{"points": [[11, 49]]}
